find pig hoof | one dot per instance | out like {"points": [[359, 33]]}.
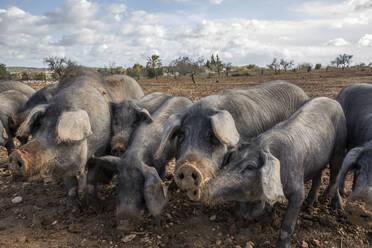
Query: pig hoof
{"points": [[73, 204], [284, 243], [92, 203], [310, 202], [156, 221], [336, 204]]}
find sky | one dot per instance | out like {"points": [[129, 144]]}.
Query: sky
{"points": [[123, 32]]}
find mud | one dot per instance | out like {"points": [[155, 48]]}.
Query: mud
{"points": [[41, 220]]}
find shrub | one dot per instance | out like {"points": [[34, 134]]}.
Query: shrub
{"points": [[4, 74]]}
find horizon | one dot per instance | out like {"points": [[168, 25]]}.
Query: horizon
{"points": [[99, 33]]}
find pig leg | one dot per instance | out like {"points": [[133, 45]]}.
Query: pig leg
{"points": [[335, 166], [295, 201], [71, 185], [97, 172], [315, 185], [91, 192]]}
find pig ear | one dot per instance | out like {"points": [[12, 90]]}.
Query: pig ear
{"points": [[224, 128], [73, 126], [155, 191], [37, 112], [271, 183], [14, 121], [109, 162], [349, 161], [171, 127], [142, 112], [3, 134]]}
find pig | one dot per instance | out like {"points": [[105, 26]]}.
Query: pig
{"points": [[42, 96], [128, 114], [356, 101], [11, 101], [275, 165], [18, 86], [206, 130], [70, 128], [140, 174]]}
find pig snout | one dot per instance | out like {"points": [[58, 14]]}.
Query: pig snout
{"points": [[17, 164], [194, 194], [118, 149], [118, 145], [188, 177], [128, 217]]}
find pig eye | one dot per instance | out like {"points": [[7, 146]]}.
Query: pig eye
{"points": [[212, 138], [227, 158], [247, 166], [181, 136]]}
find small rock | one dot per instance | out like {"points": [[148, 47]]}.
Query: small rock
{"points": [[304, 244], [23, 239], [55, 222], [249, 244], [169, 216], [48, 180], [316, 242], [218, 242], [128, 238], [212, 218], [17, 200]]}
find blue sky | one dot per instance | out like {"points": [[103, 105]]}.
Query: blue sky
{"points": [[124, 32]]}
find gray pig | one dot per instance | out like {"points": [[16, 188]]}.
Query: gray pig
{"points": [[74, 125], [204, 132], [18, 86], [128, 114], [356, 101], [140, 186], [275, 165], [42, 96], [11, 101]]}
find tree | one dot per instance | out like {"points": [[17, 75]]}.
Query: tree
{"points": [[185, 65], [58, 65], [305, 67], [343, 60], [275, 65], [318, 66], [135, 71], [3, 72], [215, 64], [153, 64], [228, 67], [285, 64]]}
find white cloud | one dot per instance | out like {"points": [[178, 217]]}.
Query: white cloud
{"points": [[215, 1], [116, 11], [94, 34], [366, 40], [337, 42]]}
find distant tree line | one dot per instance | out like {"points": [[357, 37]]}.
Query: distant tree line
{"points": [[183, 66]]}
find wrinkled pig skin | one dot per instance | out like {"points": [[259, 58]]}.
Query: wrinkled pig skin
{"points": [[71, 127], [275, 165], [11, 102], [356, 101], [206, 130], [128, 115], [141, 188]]}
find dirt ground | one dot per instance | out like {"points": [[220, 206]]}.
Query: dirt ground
{"points": [[41, 220]]}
